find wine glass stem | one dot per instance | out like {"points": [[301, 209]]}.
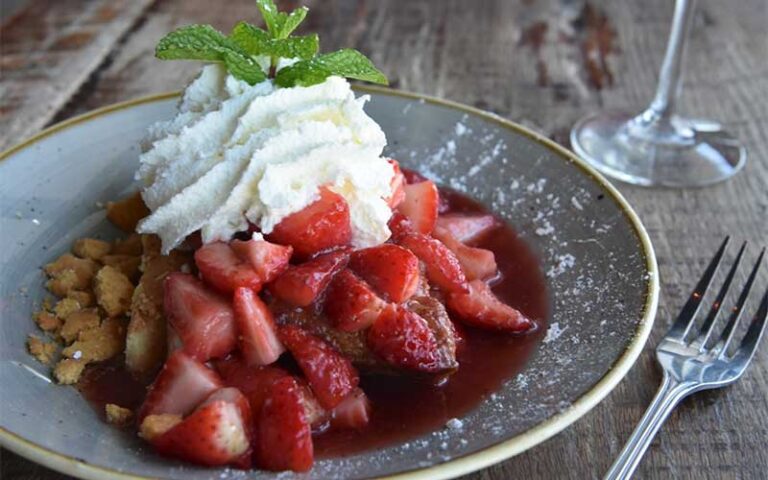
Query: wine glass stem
{"points": [[670, 76]]}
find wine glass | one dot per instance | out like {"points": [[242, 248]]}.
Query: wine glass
{"points": [[658, 147]]}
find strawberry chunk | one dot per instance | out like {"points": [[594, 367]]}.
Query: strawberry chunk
{"points": [[236, 397], [284, 436], [467, 227], [398, 182], [480, 308], [412, 176], [179, 387], [222, 269], [403, 339], [301, 284], [420, 205], [399, 225], [319, 226], [203, 319], [254, 382], [268, 260], [258, 340], [443, 268], [353, 412], [390, 269], [350, 304], [331, 375], [215, 434], [477, 263], [316, 415]]}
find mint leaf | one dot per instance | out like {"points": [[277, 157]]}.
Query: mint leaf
{"points": [[292, 21], [347, 63], [193, 42], [280, 24], [271, 16], [256, 41], [244, 68], [203, 42]]}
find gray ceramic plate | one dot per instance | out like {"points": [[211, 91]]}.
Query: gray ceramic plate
{"points": [[597, 257]]}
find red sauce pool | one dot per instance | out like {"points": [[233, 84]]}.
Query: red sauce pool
{"points": [[404, 408]]}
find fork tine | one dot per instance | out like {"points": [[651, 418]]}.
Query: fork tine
{"points": [[711, 320], [728, 332], [682, 325], [755, 332]]}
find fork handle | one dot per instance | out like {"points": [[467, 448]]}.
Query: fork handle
{"points": [[670, 393]]}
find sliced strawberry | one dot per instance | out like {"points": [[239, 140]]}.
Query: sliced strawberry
{"points": [[301, 284], [390, 269], [412, 176], [222, 269], [258, 340], [236, 397], [284, 436], [480, 308], [443, 268], [268, 259], [179, 387], [403, 339], [398, 182], [477, 263], [353, 412], [331, 376], [203, 319], [215, 434], [399, 225], [316, 415], [254, 382], [350, 303], [467, 227], [319, 226], [420, 205]]}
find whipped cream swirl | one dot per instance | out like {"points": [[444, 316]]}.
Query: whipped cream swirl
{"points": [[237, 153]]}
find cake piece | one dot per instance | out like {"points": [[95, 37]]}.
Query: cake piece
{"points": [[91, 248], [155, 425], [127, 264], [126, 213], [47, 321], [146, 343], [41, 350], [98, 344], [77, 322], [65, 307], [66, 281], [84, 298], [84, 270], [131, 245], [68, 371], [117, 415], [113, 291]]}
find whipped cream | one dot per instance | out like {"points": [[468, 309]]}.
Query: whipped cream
{"points": [[237, 153]]}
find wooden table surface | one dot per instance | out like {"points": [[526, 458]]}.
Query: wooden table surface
{"points": [[543, 63]]}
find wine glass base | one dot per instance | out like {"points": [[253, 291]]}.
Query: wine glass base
{"points": [[704, 155]]}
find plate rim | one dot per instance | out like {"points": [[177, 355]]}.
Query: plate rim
{"points": [[454, 467]]}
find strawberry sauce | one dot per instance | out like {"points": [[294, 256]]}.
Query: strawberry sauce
{"points": [[405, 407]]}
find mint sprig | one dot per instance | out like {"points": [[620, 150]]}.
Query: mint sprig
{"points": [[347, 63], [256, 41], [279, 24], [247, 44], [203, 42]]}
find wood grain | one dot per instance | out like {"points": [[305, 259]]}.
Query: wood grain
{"points": [[49, 49], [543, 63]]}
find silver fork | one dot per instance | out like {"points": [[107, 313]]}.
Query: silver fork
{"points": [[693, 365]]}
